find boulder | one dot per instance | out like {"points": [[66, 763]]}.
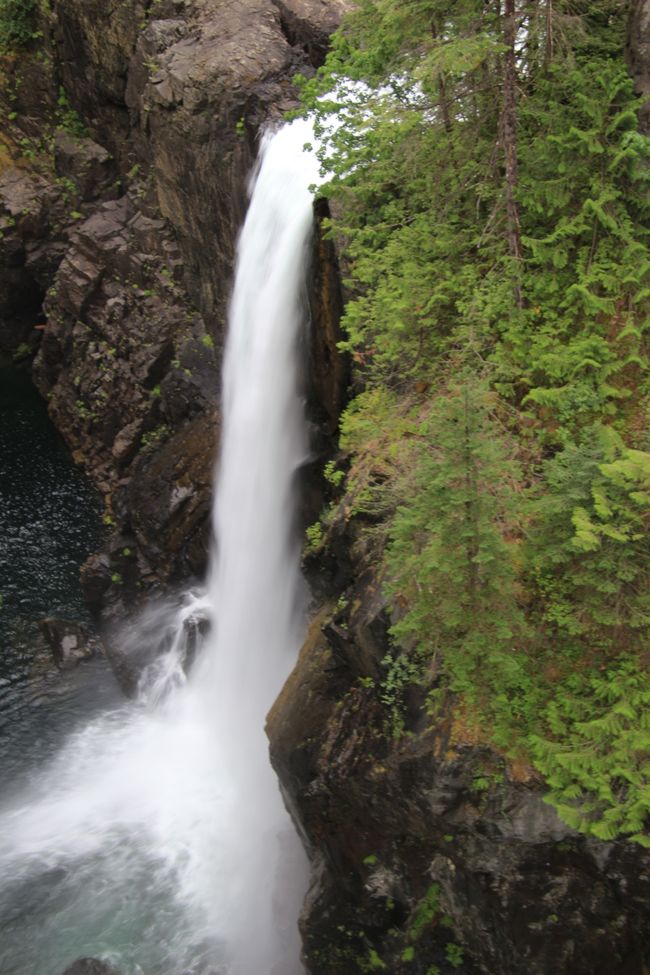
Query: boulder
{"points": [[90, 966], [70, 642]]}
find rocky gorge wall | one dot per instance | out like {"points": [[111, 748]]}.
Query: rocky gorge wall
{"points": [[433, 853], [129, 133]]}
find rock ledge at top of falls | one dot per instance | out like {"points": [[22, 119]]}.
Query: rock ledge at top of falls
{"points": [[183, 97]]}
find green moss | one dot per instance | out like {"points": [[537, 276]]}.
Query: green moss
{"points": [[426, 912]]}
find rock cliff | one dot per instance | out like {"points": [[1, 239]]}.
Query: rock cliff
{"points": [[130, 134], [432, 852]]}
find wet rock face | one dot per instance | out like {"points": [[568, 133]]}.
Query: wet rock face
{"points": [[118, 328], [69, 641], [328, 371], [432, 840], [168, 500], [90, 966], [163, 510]]}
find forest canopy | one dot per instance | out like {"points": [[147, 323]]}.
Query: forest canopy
{"points": [[490, 189]]}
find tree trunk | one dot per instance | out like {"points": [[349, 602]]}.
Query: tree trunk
{"points": [[509, 139], [638, 56]]}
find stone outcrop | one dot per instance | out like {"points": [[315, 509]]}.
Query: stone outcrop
{"points": [[431, 846], [90, 966], [35, 202], [70, 642], [118, 324]]}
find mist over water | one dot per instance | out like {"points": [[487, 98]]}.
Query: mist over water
{"points": [[157, 837]]}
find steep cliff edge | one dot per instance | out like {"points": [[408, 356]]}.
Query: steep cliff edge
{"points": [[432, 851], [130, 133]]}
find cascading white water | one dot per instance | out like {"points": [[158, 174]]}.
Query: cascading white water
{"points": [[157, 838]]}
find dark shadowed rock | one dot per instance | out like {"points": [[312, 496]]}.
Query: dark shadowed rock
{"points": [[92, 44], [28, 204], [309, 23], [520, 890], [168, 500], [88, 168], [96, 581], [69, 641], [90, 966], [328, 372]]}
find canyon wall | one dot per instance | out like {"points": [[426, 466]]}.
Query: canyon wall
{"points": [[129, 135]]}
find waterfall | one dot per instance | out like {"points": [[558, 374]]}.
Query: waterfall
{"points": [[157, 837]]}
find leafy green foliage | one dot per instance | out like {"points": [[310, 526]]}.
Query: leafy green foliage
{"points": [[454, 954], [584, 191], [17, 23], [426, 912], [595, 753], [67, 119], [495, 455], [400, 673], [590, 547]]}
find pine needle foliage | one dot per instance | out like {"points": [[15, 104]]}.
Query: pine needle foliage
{"points": [[453, 552], [492, 200], [595, 753]]}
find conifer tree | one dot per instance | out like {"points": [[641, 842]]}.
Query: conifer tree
{"points": [[492, 187], [453, 552]]}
